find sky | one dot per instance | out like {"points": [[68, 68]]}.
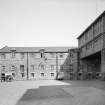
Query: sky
{"points": [[45, 23]]}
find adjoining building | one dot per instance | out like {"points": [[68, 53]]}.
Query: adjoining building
{"points": [[92, 48], [32, 62], [70, 65]]}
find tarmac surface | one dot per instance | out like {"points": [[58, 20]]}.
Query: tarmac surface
{"points": [[52, 92]]}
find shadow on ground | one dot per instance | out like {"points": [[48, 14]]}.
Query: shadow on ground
{"points": [[43, 93]]}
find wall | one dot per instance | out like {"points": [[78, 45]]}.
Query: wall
{"points": [[8, 62], [35, 66], [71, 63]]}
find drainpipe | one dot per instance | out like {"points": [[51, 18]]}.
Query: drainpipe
{"points": [[56, 66], [27, 65]]}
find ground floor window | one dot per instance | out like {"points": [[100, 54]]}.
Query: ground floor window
{"points": [[42, 74], [52, 74], [23, 75], [32, 74], [22, 68]]}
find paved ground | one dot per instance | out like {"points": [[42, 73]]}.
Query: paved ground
{"points": [[52, 92]]}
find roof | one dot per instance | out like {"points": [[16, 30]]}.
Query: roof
{"points": [[35, 49], [91, 24]]}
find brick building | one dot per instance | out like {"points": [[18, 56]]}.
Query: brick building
{"points": [[32, 62], [92, 47]]}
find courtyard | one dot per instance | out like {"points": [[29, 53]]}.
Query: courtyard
{"points": [[52, 92]]}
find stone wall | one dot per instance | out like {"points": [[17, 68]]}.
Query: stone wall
{"points": [[32, 66]]}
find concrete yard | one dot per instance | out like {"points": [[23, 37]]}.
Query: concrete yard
{"points": [[52, 92]]}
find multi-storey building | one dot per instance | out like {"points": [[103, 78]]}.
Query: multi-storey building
{"points": [[32, 62], [92, 46]]}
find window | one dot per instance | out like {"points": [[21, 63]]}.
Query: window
{"points": [[32, 67], [61, 55], [13, 67], [42, 74], [71, 54], [32, 74], [42, 67], [52, 74], [22, 68], [52, 55], [42, 54], [32, 55], [52, 67], [13, 55], [13, 74], [3, 56], [23, 75], [3, 68], [22, 55]]}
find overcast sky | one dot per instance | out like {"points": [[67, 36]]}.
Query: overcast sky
{"points": [[46, 22]]}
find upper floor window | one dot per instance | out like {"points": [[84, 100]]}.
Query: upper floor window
{"points": [[42, 67], [88, 46], [13, 67], [52, 67], [32, 67], [61, 55], [52, 55], [71, 67], [13, 54], [32, 55], [42, 53], [3, 56], [22, 55], [71, 54], [22, 68], [23, 75]]}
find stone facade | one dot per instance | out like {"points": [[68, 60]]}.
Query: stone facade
{"points": [[32, 63], [70, 65]]}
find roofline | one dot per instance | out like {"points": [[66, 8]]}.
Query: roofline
{"points": [[91, 24], [38, 52], [65, 51]]}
